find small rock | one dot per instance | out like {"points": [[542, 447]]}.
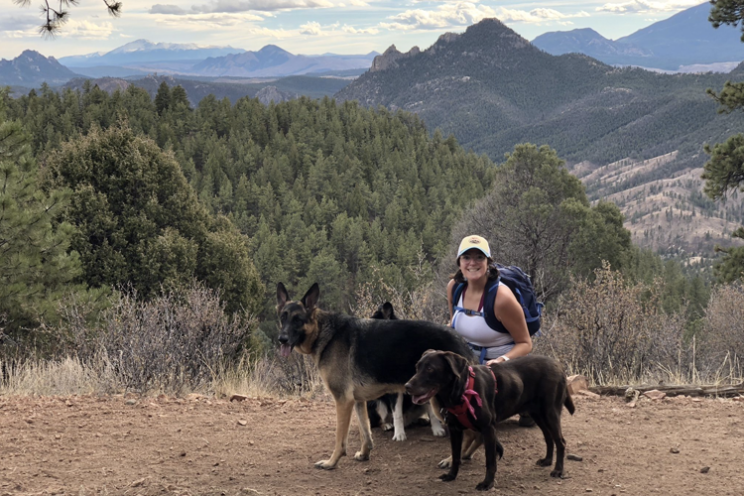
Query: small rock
{"points": [[138, 483], [631, 394], [242, 422], [130, 402], [654, 394], [577, 383], [705, 470], [674, 450], [589, 489], [575, 458]]}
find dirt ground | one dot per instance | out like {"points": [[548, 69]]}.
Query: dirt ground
{"points": [[203, 446]]}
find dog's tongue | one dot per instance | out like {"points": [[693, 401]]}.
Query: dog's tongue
{"points": [[423, 398], [285, 350]]}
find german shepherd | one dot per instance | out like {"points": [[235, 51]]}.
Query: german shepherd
{"points": [[358, 359], [399, 406]]}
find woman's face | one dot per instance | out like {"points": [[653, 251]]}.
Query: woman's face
{"points": [[473, 264]]}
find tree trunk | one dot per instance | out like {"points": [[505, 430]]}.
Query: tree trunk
{"points": [[689, 390]]}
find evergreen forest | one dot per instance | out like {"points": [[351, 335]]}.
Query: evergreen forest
{"points": [[149, 194]]}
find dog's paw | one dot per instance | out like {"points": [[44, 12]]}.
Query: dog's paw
{"points": [[557, 473], [325, 465], [387, 427], [544, 462], [361, 456], [447, 477], [438, 430], [399, 436], [484, 486], [446, 463]]}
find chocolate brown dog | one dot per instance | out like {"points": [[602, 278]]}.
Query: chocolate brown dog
{"points": [[476, 397]]}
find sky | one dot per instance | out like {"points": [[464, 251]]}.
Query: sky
{"points": [[311, 26]]}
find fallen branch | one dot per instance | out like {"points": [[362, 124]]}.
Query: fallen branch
{"points": [[688, 390]]}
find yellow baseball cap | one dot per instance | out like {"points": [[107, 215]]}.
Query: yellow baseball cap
{"points": [[474, 242]]}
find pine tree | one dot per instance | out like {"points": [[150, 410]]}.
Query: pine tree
{"points": [[139, 222], [725, 169], [35, 269]]}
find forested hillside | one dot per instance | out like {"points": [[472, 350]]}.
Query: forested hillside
{"points": [[325, 192], [492, 89]]}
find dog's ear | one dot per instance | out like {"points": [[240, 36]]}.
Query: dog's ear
{"points": [[387, 311], [310, 300], [457, 363], [281, 297]]}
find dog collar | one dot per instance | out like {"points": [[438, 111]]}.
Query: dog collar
{"points": [[461, 411]]}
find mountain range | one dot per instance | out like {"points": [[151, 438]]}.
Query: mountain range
{"points": [[492, 89], [31, 68], [144, 51], [142, 57], [683, 40]]}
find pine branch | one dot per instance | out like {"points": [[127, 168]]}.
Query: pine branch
{"points": [[56, 17]]}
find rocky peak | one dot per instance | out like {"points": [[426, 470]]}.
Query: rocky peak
{"points": [[390, 58], [269, 94]]}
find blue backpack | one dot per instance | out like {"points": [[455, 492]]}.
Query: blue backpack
{"points": [[521, 285]]}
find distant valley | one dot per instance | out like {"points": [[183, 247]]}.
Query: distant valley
{"points": [[276, 90]]}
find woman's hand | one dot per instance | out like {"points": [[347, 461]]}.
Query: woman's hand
{"points": [[500, 359]]}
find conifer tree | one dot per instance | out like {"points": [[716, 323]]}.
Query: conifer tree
{"points": [[140, 224], [725, 169], [36, 270]]}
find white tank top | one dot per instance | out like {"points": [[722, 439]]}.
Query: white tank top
{"points": [[475, 330]]}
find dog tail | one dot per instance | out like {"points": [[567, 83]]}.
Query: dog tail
{"points": [[569, 404]]}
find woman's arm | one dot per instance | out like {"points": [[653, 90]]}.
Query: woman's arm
{"points": [[450, 285], [508, 310]]}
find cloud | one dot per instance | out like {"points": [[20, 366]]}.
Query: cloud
{"points": [[167, 9], [316, 29], [86, 30], [448, 15], [233, 6], [19, 26], [353, 30], [646, 6], [537, 15], [453, 14], [311, 28], [204, 22]]}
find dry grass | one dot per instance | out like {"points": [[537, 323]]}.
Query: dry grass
{"points": [[251, 375], [605, 330], [268, 376]]}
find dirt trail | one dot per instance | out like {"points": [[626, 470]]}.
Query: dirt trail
{"points": [[167, 446]]}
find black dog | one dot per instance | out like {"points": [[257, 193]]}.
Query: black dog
{"points": [[398, 407], [358, 359], [476, 397]]}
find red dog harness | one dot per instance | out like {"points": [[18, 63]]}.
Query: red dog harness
{"points": [[461, 411]]}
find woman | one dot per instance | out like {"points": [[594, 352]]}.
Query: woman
{"points": [[510, 338]]}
